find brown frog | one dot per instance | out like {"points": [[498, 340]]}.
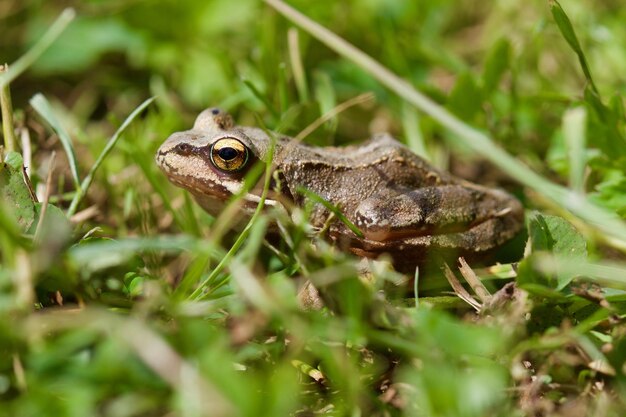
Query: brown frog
{"points": [[402, 205]]}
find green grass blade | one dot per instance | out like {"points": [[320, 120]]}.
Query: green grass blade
{"points": [[146, 166], [330, 207], [476, 140], [295, 57], [82, 190], [574, 131], [497, 63], [259, 95], [608, 273], [192, 275], [199, 292], [26, 60], [42, 106], [412, 130], [106, 253], [326, 98], [567, 30]]}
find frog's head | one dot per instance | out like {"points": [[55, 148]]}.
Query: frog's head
{"points": [[211, 159]]}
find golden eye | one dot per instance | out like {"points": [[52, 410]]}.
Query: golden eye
{"points": [[229, 155]]}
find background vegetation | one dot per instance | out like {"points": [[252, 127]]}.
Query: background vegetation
{"points": [[119, 297]]}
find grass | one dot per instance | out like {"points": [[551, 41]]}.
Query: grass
{"points": [[120, 297]]}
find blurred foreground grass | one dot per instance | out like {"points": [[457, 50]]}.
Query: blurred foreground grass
{"points": [[112, 303]]}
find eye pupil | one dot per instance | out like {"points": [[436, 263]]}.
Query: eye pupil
{"points": [[228, 153]]}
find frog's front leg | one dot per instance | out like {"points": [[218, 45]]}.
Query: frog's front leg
{"points": [[398, 214]]}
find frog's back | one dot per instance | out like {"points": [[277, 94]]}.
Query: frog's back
{"points": [[380, 148], [345, 176]]}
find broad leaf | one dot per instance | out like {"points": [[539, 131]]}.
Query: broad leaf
{"points": [[558, 236], [15, 192], [496, 64]]}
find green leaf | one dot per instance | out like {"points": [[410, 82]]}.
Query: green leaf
{"points": [[611, 191], [604, 123], [51, 235], [496, 64], [556, 235], [15, 192], [14, 160], [593, 99], [55, 230], [616, 105], [465, 98]]}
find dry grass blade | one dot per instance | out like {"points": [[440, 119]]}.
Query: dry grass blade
{"points": [[458, 288], [23, 281], [84, 215], [46, 197], [472, 279], [18, 372], [252, 288], [27, 152], [363, 98]]}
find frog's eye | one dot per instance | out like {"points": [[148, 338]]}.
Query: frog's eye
{"points": [[229, 155]]}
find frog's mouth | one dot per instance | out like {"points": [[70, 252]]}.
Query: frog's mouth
{"points": [[186, 172]]}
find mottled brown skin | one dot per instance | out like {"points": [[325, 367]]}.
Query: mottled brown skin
{"points": [[402, 205]]}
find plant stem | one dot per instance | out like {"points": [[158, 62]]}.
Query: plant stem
{"points": [[8, 128]]}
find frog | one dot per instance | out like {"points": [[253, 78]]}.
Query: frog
{"points": [[399, 203]]}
